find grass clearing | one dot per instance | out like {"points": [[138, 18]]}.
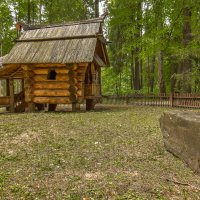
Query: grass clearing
{"points": [[113, 153]]}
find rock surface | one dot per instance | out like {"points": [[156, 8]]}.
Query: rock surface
{"points": [[181, 133]]}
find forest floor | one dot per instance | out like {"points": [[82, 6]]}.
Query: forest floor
{"points": [[113, 153]]}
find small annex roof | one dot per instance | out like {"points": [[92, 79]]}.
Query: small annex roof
{"points": [[74, 42]]}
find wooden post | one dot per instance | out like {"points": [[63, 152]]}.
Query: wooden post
{"points": [[90, 104], [1, 88], [7, 91], [75, 107], [12, 95], [171, 99], [52, 107], [7, 88], [28, 87]]}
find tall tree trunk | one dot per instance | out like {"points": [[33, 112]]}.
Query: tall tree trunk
{"points": [[160, 54], [33, 13], [186, 64], [141, 74], [174, 68], [96, 6], [132, 69], [40, 12], [50, 15], [197, 80], [29, 12], [161, 72], [137, 49], [152, 71], [137, 71]]}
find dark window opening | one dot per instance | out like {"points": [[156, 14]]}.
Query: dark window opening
{"points": [[51, 75]]}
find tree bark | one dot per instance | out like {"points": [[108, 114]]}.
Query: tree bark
{"points": [[132, 69], [29, 12], [96, 6], [137, 48], [137, 71], [160, 53], [40, 14], [185, 66], [161, 72], [152, 71], [173, 77], [141, 74]]}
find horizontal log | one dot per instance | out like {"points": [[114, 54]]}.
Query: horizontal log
{"points": [[4, 100], [72, 73], [81, 70], [46, 71], [51, 85], [46, 65], [82, 65], [72, 66], [59, 77], [52, 100], [49, 93]]}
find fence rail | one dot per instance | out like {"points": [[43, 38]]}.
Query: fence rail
{"points": [[185, 100]]}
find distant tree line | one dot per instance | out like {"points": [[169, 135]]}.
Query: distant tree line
{"points": [[155, 44]]}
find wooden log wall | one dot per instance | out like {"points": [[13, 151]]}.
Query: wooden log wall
{"points": [[28, 86], [67, 88], [5, 101]]}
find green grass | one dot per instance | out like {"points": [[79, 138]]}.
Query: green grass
{"points": [[112, 153]]}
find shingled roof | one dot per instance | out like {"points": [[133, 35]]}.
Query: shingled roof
{"points": [[74, 42]]}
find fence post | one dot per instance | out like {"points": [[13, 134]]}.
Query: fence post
{"points": [[171, 99]]}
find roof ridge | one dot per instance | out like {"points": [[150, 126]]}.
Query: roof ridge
{"points": [[27, 27], [97, 35]]}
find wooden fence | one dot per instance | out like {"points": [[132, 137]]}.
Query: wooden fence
{"points": [[166, 100]]}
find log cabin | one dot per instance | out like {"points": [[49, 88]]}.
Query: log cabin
{"points": [[57, 64]]}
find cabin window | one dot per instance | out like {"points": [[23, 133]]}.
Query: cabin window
{"points": [[51, 75]]}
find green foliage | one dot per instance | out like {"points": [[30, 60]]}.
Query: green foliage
{"points": [[6, 32], [64, 10], [135, 33], [162, 25]]}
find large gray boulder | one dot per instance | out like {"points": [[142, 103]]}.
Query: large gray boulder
{"points": [[181, 133]]}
